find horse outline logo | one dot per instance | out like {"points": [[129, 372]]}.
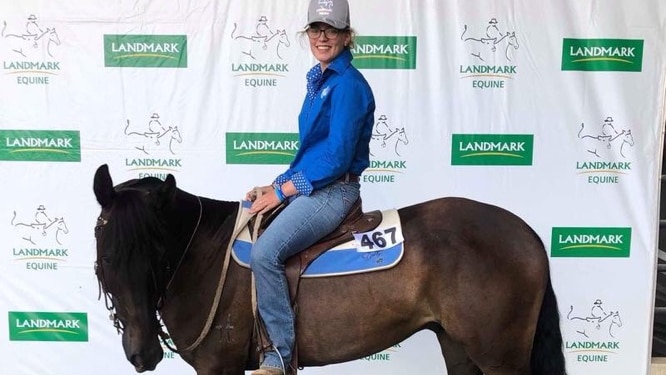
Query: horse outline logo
{"points": [[33, 40], [382, 133], [41, 228], [488, 44], [263, 42], [607, 140], [599, 324], [155, 136]]}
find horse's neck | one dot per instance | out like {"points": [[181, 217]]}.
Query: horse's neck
{"points": [[207, 227], [201, 271], [504, 36]]}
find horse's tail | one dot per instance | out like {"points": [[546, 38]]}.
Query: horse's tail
{"points": [[13, 218], [234, 30], [4, 27], [547, 356], [582, 126], [463, 33]]}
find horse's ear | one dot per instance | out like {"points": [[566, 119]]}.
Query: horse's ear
{"points": [[103, 186], [167, 191]]}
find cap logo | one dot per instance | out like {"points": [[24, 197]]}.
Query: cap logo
{"points": [[325, 7]]}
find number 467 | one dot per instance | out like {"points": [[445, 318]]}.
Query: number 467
{"points": [[380, 239]]}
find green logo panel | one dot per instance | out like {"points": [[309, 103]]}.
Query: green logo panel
{"points": [[261, 148], [145, 51], [492, 149], [384, 52], [620, 55], [580, 242], [40, 145], [48, 326]]}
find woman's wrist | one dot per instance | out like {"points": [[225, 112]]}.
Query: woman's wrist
{"points": [[278, 192]]}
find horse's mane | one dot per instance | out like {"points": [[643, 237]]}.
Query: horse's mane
{"points": [[134, 233]]}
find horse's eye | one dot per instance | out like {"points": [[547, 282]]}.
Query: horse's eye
{"points": [[106, 260]]}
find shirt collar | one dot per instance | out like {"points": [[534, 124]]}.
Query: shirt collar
{"points": [[341, 62]]}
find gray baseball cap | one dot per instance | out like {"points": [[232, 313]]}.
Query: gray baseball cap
{"points": [[330, 12]]}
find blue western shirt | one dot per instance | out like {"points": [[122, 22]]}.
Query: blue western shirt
{"points": [[335, 126]]}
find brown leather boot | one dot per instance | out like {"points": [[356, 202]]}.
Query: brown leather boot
{"points": [[268, 371]]}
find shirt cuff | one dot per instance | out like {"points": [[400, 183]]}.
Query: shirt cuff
{"points": [[279, 180], [301, 183]]}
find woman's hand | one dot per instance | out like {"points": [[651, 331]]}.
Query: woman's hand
{"points": [[267, 201], [252, 194]]}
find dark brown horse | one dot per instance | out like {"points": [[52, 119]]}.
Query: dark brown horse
{"points": [[473, 273]]}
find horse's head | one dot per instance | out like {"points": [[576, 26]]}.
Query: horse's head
{"points": [[628, 138], [132, 242], [402, 136], [53, 36], [282, 37], [175, 134], [61, 225], [616, 318], [512, 40]]}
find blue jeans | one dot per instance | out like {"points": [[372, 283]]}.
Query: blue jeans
{"points": [[304, 221]]}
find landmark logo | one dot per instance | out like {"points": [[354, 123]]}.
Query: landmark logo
{"points": [[40, 239], [40, 145], [156, 143], [384, 52], [607, 151], [593, 336], [619, 55], [260, 53], [386, 151], [48, 326], [491, 55], [492, 149], [590, 242], [145, 51], [261, 148], [33, 50]]}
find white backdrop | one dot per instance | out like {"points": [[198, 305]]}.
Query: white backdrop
{"points": [[553, 110]]}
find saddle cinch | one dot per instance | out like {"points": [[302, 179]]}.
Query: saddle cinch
{"points": [[356, 221]]}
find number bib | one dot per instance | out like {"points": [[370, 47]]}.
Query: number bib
{"points": [[386, 235]]}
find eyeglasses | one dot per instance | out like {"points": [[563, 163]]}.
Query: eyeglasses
{"points": [[330, 33]]}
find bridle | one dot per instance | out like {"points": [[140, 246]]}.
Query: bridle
{"points": [[108, 298]]}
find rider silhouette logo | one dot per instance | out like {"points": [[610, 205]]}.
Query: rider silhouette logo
{"points": [[35, 41], [609, 141], [43, 229], [492, 47], [154, 137], [386, 138]]}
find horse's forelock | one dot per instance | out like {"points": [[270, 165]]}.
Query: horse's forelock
{"points": [[134, 232]]}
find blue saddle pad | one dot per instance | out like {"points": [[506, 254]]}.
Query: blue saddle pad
{"points": [[347, 258]]}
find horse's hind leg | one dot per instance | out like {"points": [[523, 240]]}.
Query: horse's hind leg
{"points": [[457, 361]]}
